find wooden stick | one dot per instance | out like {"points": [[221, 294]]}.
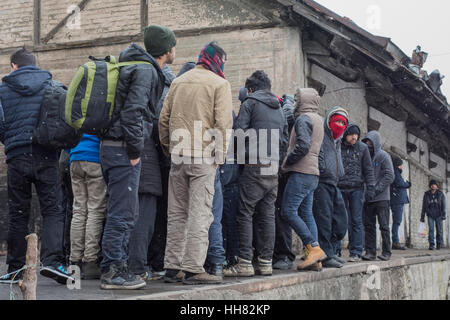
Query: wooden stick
{"points": [[28, 285]]}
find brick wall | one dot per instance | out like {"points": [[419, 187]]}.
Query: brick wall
{"points": [[99, 19], [190, 14], [16, 23]]}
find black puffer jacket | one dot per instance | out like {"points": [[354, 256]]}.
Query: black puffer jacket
{"points": [[139, 90], [262, 110], [357, 165]]}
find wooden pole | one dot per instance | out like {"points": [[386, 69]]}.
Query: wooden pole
{"points": [[29, 282]]}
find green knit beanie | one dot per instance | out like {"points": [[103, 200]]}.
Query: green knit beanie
{"points": [[158, 40]]}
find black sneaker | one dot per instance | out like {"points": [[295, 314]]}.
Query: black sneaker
{"points": [[340, 260], [431, 248], [57, 273], [369, 257], [12, 278], [332, 263], [384, 257], [283, 264], [119, 278], [173, 276]]}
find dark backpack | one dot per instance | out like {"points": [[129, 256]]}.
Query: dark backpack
{"points": [[51, 129]]}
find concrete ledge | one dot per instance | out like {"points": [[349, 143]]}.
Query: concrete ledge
{"points": [[402, 277]]}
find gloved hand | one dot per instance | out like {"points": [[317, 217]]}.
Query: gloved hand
{"points": [[422, 220]]}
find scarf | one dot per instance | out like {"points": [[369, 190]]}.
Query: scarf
{"points": [[335, 128], [211, 59]]}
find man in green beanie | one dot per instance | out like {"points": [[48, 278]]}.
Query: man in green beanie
{"points": [[160, 42], [128, 140]]}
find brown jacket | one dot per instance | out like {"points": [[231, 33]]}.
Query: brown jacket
{"points": [[199, 99], [306, 136]]}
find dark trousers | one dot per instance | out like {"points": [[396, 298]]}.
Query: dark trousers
{"points": [[256, 190], [354, 203], [397, 217], [432, 223], [23, 171], [122, 181], [372, 211], [67, 203], [330, 216], [142, 234], [283, 232], [229, 176], [157, 248]]}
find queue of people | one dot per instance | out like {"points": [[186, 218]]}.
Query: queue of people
{"points": [[180, 187]]}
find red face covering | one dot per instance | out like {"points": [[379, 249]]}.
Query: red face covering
{"points": [[335, 128]]}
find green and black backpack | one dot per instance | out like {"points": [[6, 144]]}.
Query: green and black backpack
{"points": [[91, 94]]}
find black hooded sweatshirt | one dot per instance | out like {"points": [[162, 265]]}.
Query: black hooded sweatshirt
{"points": [[262, 110]]}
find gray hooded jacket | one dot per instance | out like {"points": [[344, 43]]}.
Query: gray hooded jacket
{"points": [[383, 168]]}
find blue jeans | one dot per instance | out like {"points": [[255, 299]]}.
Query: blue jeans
{"points": [[397, 215], [299, 193], [432, 222], [354, 203], [216, 252], [229, 176], [122, 181]]}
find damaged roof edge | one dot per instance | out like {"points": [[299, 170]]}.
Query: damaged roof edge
{"points": [[399, 61]]}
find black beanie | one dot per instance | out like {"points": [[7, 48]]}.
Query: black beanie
{"points": [[433, 182], [396, 161], [352, 129], [158, 40]]}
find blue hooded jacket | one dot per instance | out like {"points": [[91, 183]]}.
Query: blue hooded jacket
{"points": [[21, 94]]}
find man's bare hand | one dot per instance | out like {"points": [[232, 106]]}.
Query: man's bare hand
{"points": [[135, 162]]}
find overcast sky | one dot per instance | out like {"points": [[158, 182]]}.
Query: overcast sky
{"points": [[408, 24]]}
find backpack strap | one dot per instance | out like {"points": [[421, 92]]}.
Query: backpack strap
{"points": [[130, 63]]}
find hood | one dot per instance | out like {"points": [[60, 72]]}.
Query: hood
{"points": [[375, 137], [137, 53], [27, 81], [169, 75], [350, 126], [330, 113], [288, 98], [308, 100], [266, 97], [186, 67]]}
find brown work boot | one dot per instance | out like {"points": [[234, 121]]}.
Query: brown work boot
{"points": [[263, 267], [315, 254], [202, 278], [243, 268], [315, 267]]}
